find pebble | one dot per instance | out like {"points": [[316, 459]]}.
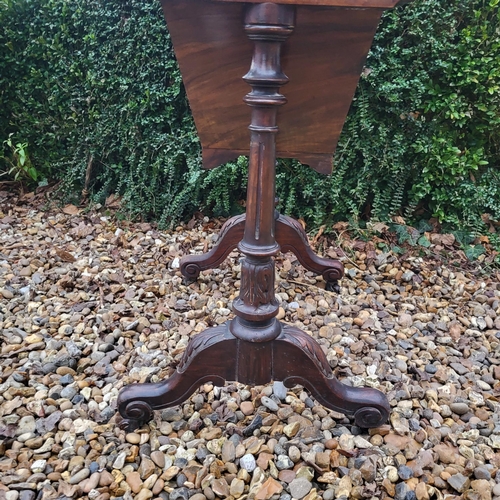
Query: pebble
{"points": [[27, 495], [405, 472], [269, 403], [144, 494], [158, 457], [306, 472], [294, 454], [92, 482], [401, 491], [248, 463], [38, 466], [290, 430], [133, 438], [459, 482], [79, 476], [284, 462], [120, 460], [424, 333], [279, 390], [237, 487], [459, 408], [300, 487], [7, 294], [247, 407], [134, 481], [228, 452], [482, 472], [220, 488]]}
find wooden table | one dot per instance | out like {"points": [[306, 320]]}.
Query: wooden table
{"points": [[320, 46]]}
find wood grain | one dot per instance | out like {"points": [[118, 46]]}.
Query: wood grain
{"points": [[254, 347], [323, 60]]}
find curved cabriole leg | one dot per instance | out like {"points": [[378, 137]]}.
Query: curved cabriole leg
{"points": [[230, 235], [210, 356], [300, 360], [292, 238]]}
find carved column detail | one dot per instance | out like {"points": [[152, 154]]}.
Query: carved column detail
{"points": [[257, 282], [268, 25]]}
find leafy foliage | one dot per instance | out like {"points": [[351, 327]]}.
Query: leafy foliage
{"points": [[94, 88], [18, 163]]}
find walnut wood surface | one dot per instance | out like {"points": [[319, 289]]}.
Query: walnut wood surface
{"points": [[231, 234], [290, 236], [254, 347], [323, 60], [216, 355], [268, 26]]}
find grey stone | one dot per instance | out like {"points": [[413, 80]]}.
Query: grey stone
{"points": [[79, 476], [279, 390], [73, 349], [496, 490], [404, 472], [120, 460], [25, 425], [401, 491], [482, 472], [27, 495], [459, 408], [248, 463], [329, 494], [283, 462], [44, 425], [459, 482], [66, 379], [300, 487], [69, 392], [459, 368], [269, 403], [179, 494]]}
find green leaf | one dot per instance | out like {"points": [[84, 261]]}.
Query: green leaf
{"points": [[473, 252], [424, 242]]}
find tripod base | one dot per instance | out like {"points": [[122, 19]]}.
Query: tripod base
{"points": [[216, 355], [290, 236]]}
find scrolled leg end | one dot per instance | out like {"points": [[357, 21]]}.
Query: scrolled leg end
{"points": [[134, 415], [370, 417], [190, 270]]}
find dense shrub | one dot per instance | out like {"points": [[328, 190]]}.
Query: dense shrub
{"points": [[94, 89]]}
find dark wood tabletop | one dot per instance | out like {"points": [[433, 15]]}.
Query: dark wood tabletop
{"points": [[323, 60]]}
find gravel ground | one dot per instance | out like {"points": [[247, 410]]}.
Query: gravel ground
{"points": [[88, 305]]}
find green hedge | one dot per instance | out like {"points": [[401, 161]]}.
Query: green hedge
{"points": [[93, 88]]}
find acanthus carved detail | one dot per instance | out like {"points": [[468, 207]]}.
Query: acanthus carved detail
{"points": [[230, 223], [199, 343], [308, 345], [257, 282]]}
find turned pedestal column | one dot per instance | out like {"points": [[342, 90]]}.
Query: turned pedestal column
{"points": [[254, 347]]}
